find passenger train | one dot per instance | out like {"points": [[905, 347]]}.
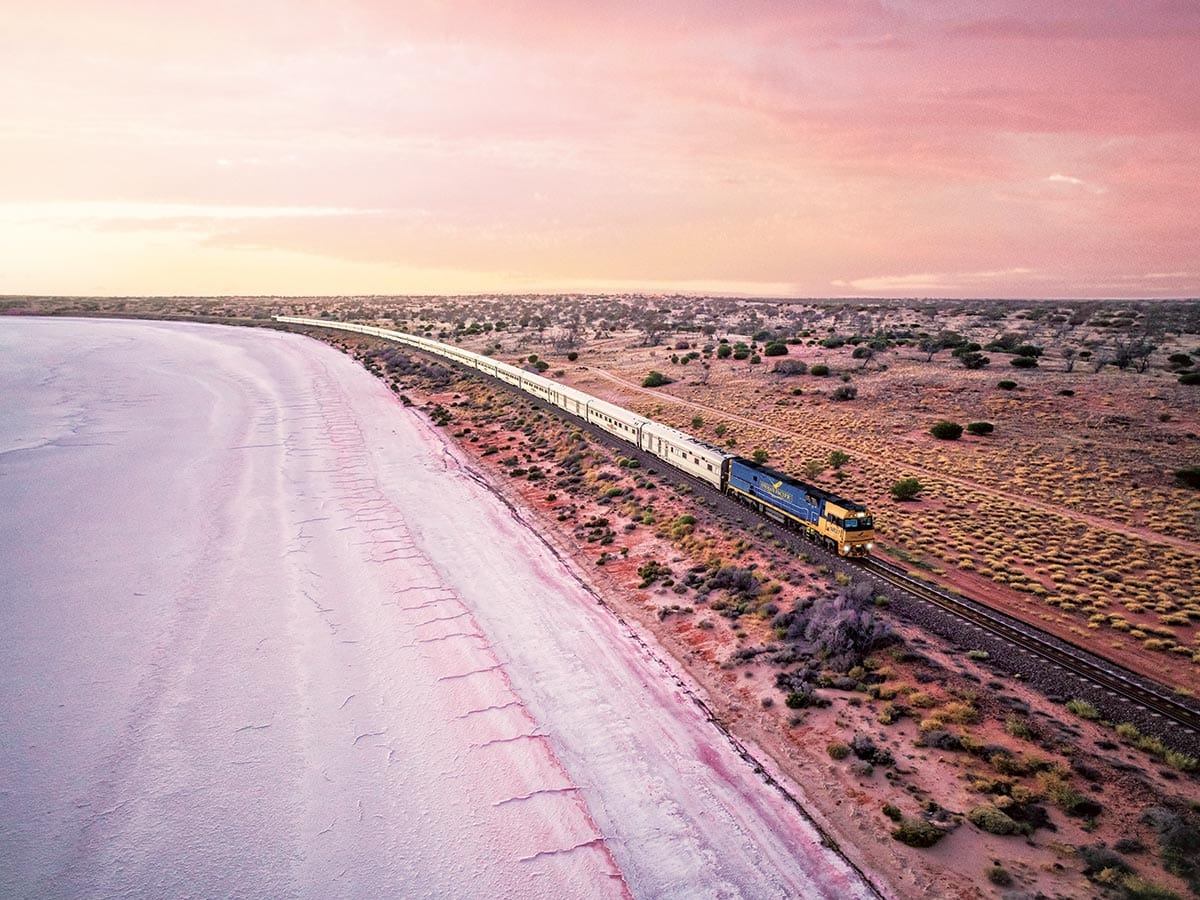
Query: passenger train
{"points": [[843, 526]]}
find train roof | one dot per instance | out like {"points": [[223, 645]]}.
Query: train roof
{"points": [[853, 505]]}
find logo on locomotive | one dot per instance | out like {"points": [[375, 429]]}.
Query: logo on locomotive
{"points": [[775, 490]]}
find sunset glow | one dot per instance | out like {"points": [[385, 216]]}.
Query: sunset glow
{"points": [[818, 148]]}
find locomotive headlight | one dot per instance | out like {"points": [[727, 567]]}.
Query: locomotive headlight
{"points": [[869, 545], [845, 548]]}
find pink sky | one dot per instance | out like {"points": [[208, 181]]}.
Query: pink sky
{"points": [[815, 148]]}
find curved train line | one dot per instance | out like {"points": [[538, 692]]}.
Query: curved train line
{"points": [[1107, 675]]}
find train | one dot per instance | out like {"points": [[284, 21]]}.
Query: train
{"points": [[843, 526]]}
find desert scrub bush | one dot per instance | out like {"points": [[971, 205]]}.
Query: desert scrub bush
{"points": [[797, 699], [1006, 385], [837, 749], [1189, 477], [865, 748], [999, 876], [652, 572], [906, 488], [1134, 887], [1083, 709], [1018, 728], [917, 832], [820, 370], [844, 393], [1098, 858], [956, 712], [1178, 841], [1060, 792], [980, 428], [993, 820], [655, 379], [946, 431]]}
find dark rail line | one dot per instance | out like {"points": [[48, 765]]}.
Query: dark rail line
{"points": [[1105, 674], [1072, 658]]}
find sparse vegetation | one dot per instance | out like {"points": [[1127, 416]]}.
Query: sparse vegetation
{"points": [[655, 379], [906, 488], [946, 431]]}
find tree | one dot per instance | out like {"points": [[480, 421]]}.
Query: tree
{"points": [[838, 458], [655, 379], [946, 431], [760, 456], [1069, 354], [929, 346], [907, 488], [973, 360]]}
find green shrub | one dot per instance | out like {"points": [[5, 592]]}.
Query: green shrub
{"points": [[917, 832], [892, 812], [973, 360], [775, 348], [724, 351], [820, 370], [998, 875], [572, 356], [992, 820], [946, 431], [1083, 709], [1023, 362], [844, 393], [1190, 378], [907, 488], [1189, 477], [797, 700], [1018, 728], [1006, 385], [760, 456], [655, 379], [980, 427], [837, 749], [1134, 887]]}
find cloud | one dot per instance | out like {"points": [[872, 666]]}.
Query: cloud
{"points": [[153, 212], [1059, 178], [930, 281]]}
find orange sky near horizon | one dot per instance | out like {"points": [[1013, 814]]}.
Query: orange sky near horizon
{"points": [[916, 148]]}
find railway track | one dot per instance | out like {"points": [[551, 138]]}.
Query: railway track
{"points": [[1108, 677], [1069, 657]]}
